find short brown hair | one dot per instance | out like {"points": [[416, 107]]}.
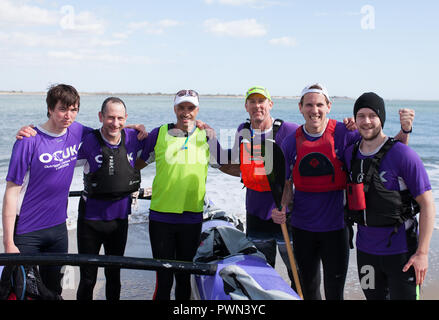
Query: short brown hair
{"points": [[61, 92], [112, 100]]}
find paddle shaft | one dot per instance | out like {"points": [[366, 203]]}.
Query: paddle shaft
{"points": [[54, 259], [274, 163], [140, 196], [291, 259]]}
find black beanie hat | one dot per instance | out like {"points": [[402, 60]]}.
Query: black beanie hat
{"points": [[372, 101]]}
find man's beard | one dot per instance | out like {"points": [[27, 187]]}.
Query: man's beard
{"points": [[376, 132]]}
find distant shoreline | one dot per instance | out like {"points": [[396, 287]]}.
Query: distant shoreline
{"points": [[158, 94], [218, 95]]}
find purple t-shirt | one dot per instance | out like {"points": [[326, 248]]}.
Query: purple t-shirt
{"points": [[43, 165], [318, 211], [257, 203], [400, 169], [167, 217], [97, 209]]}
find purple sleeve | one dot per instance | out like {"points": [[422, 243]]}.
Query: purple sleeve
{"points": [[82, 152], [344, 138], [149, 143], [86, 131], [289, 149], [20, 161], [412, 170]]}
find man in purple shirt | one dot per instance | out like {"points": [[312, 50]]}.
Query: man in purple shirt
{"points": [[109, 179], [392, 258], [38, 181], [317, 218]]}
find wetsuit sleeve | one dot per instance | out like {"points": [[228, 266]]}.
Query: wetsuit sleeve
{"points": [[234, 152], [21, 159], [223, 155], [148, 146], [214, 151]]}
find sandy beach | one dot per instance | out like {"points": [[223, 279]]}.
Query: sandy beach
{"points": [[139, 284]]}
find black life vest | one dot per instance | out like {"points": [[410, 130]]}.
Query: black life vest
{"points": [[116, 178], [252, 160], [384, 208], [317, 168]]}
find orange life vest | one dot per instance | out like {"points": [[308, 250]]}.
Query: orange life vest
{"points": [[252, 160]]}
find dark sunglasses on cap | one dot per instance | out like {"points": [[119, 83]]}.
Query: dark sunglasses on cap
{"points": [[188, 93]]}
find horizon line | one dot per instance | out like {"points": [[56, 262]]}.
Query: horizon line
{"points": [[225, 95]]}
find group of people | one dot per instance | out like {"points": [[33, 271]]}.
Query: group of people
{"points": [[42, 164]]}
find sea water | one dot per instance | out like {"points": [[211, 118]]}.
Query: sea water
{"points": [[224, 114]]}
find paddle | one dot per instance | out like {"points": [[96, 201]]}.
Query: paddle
{"points": [[58, 259], [143, 194], [274, 163]]}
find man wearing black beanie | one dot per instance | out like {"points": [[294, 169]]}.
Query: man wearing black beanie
{"points": [[372, 101], [387, 186]]}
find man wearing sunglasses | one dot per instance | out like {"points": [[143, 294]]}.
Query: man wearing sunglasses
{"points": [[181, 153]]}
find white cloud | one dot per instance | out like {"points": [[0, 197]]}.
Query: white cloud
{"points": [[251, 3], [168, 23], [12, 13], [239, 28], [156, 28], [284, 41], [58, 40], [66, 18], [93, 56], [85, 22]]}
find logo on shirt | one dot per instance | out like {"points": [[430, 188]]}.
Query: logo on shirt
{"points": [[60, 155], [99, 158]]}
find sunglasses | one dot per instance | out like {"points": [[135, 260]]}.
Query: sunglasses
{"points": [[188, 93]]}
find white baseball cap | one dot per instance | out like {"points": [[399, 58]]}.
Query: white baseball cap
{"points": [[309, 89], [187, 96]]}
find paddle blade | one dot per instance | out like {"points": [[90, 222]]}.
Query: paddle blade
{"points": [[274, 164]]}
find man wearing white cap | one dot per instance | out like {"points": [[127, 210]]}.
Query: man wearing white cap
{"points": [[181, 153], [314, 155]]}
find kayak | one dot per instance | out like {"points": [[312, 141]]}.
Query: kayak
{"points": [[242, 271]]}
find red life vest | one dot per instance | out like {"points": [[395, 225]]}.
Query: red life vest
{"points": [[253, 173], [317, 167]]}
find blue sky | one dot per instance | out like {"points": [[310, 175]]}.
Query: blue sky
{"points": [[222, 46]]}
